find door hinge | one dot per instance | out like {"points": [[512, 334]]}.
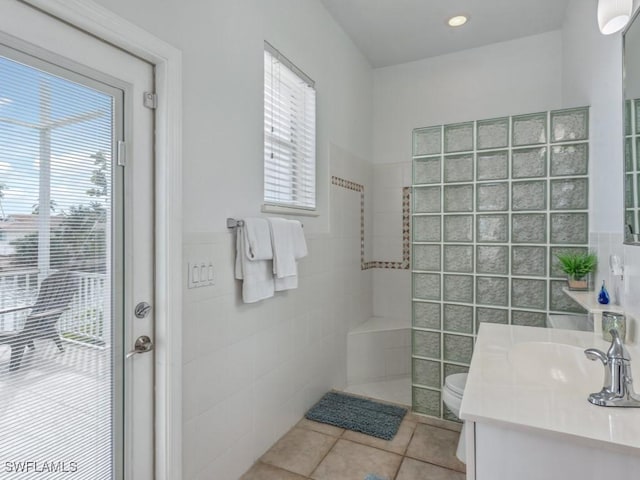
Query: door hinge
{"points": [[122, 153], [150, 100]]}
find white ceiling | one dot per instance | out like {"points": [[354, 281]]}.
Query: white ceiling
{"points": [[389, 32]]}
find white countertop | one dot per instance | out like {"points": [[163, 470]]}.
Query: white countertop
{"points": [[505, 385]]}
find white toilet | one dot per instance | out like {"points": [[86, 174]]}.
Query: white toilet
{"points": [[452, 392]]}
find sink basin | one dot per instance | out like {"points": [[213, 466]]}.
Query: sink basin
{"points": [[556, 366]]}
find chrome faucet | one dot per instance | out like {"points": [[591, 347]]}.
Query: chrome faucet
{"points": [[618, 384]]}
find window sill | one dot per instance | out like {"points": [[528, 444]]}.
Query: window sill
{"points": [[289, 211]]}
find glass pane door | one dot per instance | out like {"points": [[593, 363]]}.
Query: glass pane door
{"points": [[59, 387]]}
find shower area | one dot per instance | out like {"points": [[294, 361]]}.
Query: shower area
{"points": [[491, 204]]}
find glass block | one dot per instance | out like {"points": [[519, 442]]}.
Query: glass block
{"points": [[457, 318], [427, 228], [492, 259], [493, 133], [458, 168], [492, 291], [636, 109], [529, 261], [491, 315], [458, 198], [570, 159], [458, 348], [427, 141], [630, 219], [492, 165], [458, 258], [426, 344], [426, 257], [637, 153], [628, 191], [570, 194], [458, 137], [426, 286], [628, 155], [426, 200], [554, 263], [426, 315], [529, 163], [569, 228], [426, 401], [529, 129], [426, 372], [527, 293], [529, 228], [458, 288], [493, 228], [570, 125], [448, 414], [627, 117], [426, 170], [560, 301], [452, 369], [529, 195], [528, 319], [493, 197], [458, 228]]}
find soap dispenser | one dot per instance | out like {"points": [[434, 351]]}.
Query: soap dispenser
{"points": [[603, 296]]}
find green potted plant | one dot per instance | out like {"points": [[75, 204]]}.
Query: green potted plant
{"points": [[578, 266]]}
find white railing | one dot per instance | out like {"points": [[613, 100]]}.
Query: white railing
{"points": [[85, 322]]}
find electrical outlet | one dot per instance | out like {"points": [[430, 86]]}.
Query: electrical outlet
{"points": [[200, 274]]}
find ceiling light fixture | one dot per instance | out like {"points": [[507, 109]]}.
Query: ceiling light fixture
{"points": [[457, 21], [613, 15]]}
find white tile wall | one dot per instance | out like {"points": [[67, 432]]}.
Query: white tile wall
{"points": [[391, 288], [251, 371], [605, 244]]}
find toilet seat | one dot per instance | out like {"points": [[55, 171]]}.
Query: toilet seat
{"points": [[456, 383]]}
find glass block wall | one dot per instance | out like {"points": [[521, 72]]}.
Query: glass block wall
{"points": [[494, 201], [632, 165]]}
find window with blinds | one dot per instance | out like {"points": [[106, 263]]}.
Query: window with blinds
{"points": [[289, 133]]}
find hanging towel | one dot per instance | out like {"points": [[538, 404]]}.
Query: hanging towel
{"points": [[257, 239], [256, 275], [289, 245]]}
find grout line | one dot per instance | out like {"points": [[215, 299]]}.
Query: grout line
{"points": [[335, 442]]}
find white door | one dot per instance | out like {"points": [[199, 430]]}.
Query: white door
{"points": [[76, 253]]}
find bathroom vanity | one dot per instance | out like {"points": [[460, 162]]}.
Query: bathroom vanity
{"points": [[527, 414]]}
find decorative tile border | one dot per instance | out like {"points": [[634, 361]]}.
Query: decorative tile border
{"points": [[406, 222]]}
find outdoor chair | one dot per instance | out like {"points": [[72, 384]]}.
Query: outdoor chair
{"points": [[54, 298]]}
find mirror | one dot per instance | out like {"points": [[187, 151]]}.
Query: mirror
{"points": [[631, 90]]}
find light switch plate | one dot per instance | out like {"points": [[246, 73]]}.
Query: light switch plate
{"points": [[200, 274]]}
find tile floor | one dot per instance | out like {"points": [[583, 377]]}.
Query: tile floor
{"points": [[423, 448]]}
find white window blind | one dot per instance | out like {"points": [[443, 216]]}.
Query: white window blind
{"points": [[289, 134]]}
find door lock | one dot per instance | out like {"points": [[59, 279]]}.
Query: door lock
{"points": [[143, 345], [142, 310]]}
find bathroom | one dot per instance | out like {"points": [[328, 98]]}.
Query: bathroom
{"points": [[242, 375]]}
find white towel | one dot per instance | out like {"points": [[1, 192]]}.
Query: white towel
{"points": [[256, 275], [257, 239], [287, 239]]}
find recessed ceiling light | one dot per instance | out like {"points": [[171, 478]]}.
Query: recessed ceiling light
{"points": [[457, 21]]}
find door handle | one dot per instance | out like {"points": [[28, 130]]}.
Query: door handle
{"points": [[143, 345]]}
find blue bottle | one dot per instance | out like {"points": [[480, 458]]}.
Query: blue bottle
{"points": [[603, 296]]}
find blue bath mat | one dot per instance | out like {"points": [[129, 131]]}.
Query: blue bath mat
{"points": [[371, 476], [358, 414]]}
